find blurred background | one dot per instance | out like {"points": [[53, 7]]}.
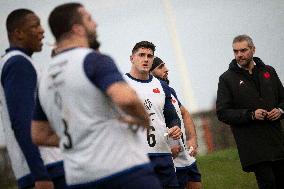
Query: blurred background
{"points": [[193, 37]]}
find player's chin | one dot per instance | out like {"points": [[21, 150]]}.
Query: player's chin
{"points": [[38, 49], [146, 70]]}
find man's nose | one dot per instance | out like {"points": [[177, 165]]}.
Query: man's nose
{"points": [[41, 30], [239, 53]]}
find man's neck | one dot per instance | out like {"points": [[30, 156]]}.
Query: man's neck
{"points": [[21, 48], [139, 75], [68, 43], [248, 67]]}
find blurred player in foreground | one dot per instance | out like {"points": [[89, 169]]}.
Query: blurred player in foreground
{"points": [[84, 99], [32, 166]]}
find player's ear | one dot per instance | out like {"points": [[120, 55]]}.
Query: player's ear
{"points": [[253, 49], [18, 33], [131, 58], [78, 29]]}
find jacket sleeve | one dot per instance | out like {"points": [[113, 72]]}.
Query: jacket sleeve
{"points": [[280, 90], [225, 107]]}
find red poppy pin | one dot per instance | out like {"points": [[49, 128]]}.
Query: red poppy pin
{"points": [[156, 90], [266, 75]]}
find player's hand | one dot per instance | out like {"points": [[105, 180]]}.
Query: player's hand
{"points": [[192, 142], [175, 132], [44, 184], [274, 114], [175, 150], [132, 121], [128, 120], [260, 114]]}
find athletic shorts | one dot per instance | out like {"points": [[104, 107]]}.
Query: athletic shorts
{"points": [[139, 178], [188, 174], [164, 169]]}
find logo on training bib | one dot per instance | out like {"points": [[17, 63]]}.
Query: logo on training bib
{"points": [[156, 90]]}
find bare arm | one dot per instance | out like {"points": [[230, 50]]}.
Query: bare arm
{"points": [[43, 134], [129, 102], [191, 137]]}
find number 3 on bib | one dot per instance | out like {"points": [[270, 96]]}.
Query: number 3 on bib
{"points": [[151, 137], [68, 144]]}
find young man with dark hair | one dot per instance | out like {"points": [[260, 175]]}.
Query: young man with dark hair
{"points": [[17, 96], [84, 101], [186, 168], [157, 100]]}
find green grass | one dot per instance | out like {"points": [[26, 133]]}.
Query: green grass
{"points": [[222, 170]]}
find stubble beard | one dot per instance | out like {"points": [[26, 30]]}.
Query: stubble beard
{"points": [[246, 64], [92, 38], [165, 80]]}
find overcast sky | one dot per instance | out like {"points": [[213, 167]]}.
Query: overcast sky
{"points": [[204, 31]]}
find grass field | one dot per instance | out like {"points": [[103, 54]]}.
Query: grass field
{"points": [[222, 170]]}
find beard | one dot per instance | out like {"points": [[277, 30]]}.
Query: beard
{"points": [[166, 80], [92, 40], [246, 63], [95, 44]]}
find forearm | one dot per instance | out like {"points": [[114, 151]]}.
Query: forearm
{"points": [[235, 116], [52, 140], [190, 131], [188, 124], [128, 101], [43, 134], [137, 111], [31, 153]]}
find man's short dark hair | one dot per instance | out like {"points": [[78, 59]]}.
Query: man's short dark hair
{"points": [[144, 44], [16, 19], [63, 17]]}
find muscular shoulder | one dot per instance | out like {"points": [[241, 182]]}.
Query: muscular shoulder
{"points": [[18, 62], [18, 67], [101, 70]]}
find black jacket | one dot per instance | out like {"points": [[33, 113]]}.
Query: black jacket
{"points": [[238, 95]]}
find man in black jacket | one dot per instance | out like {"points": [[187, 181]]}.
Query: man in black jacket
{"points": [[250, 99]]}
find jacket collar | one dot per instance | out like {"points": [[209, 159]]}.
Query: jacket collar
{"points": [[258, 63]]}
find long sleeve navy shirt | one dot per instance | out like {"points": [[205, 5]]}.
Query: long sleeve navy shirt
{"points": [[19, 80]]}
